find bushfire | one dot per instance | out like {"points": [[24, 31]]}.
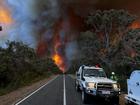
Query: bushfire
{"points": [[62, 34], [54, 28]]}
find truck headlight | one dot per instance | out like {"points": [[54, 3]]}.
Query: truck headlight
{"points": [[116, 86], [90, 85]]}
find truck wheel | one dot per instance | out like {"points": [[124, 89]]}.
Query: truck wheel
{"points": [[85, 97], [129, 103], [115, 100], [77, 88]]}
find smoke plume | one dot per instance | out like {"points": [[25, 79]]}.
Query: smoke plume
{"points": [[48, 26]]}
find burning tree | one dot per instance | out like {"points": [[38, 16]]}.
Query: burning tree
{"points": [[111, 26]]}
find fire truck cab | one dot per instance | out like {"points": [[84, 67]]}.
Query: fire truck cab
{"points": [[92, 81]]}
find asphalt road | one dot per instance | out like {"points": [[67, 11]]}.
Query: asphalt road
{"points": [[60, 91]]}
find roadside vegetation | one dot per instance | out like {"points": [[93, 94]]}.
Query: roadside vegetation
{"points": [[112, 39], [20, 66]]}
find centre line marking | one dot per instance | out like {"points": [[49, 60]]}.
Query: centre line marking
{"points": [[64, 96]]}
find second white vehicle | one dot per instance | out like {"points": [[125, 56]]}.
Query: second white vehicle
{"points": [[133, 84]]}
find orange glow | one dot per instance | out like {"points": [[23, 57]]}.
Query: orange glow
{"points": [[5, 16], [135, 25], [58, 61]]}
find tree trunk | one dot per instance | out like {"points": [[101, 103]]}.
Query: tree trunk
{"points": [[106, 39]]}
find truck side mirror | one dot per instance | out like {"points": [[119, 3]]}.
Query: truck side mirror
{"points": [[83, 78], [78, 74]]}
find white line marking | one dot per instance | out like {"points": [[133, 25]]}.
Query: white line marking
{"points": [[35, 91], [64, 96]]}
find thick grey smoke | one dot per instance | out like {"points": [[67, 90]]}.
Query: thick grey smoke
{"points": [[30, 16], [34, 21]]}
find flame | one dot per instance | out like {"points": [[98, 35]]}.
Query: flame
{"points": [[135, 25], [59, 61], [64, 30], [57, 44], [5, 16]]}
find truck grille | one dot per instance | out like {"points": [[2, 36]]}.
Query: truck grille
{"points": [[104, 86]]}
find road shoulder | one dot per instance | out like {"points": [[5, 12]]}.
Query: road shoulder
{"points": [[20, 93]]}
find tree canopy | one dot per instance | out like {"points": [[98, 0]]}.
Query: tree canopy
{"points": [[20, 65]]}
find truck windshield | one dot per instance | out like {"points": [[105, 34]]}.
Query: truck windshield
{"points": [[94, 72]]}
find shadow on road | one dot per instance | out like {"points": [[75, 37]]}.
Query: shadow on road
{"points": [[93, 101], [98, 102]]}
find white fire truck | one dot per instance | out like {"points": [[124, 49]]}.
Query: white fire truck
{"points": [[92, 81], [133, 85]]}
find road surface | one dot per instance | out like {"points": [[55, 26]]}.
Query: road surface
{"points": [[59, 91]]}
